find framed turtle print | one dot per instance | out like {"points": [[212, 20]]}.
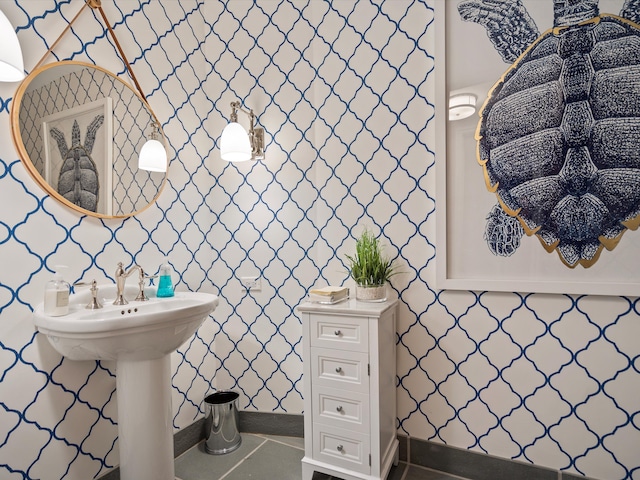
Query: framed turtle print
{"points": [[538, 146], [78, 161]]}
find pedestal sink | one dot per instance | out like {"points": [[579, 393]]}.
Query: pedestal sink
{"points": [[140, 337]]}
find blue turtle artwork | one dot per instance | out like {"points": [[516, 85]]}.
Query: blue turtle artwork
{"points": [[559, 134], [78, 180]]}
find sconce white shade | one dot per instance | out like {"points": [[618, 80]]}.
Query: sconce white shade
{"points": [[153, 157], [11, 63], [462, 106], [234, 143]]}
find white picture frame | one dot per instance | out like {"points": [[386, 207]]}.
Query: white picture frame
{"points": [[102, 152], [464, 262]]}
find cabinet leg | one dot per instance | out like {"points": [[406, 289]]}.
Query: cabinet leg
{"points": [[307, 471]]}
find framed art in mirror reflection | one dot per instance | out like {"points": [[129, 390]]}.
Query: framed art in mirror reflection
{"points": [[78, 154]]}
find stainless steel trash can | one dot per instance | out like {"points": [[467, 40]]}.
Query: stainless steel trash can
{"points": [[221, 422]]}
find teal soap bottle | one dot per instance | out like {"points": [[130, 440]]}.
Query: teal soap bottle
{"points": [[165, 285]]}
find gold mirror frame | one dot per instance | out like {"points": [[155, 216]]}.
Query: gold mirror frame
{"points": [[38, 174], [20, 144]]}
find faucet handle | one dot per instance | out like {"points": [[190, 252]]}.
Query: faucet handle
{"points": [[142, 297], [94, 304]]}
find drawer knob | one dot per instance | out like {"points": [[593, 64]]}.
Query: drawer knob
{"points": [[339, 408], [340, 448], [338, 369], [337, 333]]}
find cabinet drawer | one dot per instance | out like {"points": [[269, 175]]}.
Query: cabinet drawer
{"points": [[340, 369], [348, 410], [341, 448], [341, 332]]}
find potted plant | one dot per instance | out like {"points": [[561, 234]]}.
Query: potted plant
{"points": [[370, 268]]}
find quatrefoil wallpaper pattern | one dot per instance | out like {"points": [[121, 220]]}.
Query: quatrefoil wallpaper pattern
{"points": [[345, 92]]}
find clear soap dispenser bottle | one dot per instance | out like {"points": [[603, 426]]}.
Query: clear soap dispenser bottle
{"points": [[165, 285], [56, 296]]}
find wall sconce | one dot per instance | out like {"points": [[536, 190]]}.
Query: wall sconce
{"points": [[461, 106], [11, 62], [153, 156], [236, 145]]}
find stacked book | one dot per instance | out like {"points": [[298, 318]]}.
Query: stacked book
{"points": [[328, 295]]}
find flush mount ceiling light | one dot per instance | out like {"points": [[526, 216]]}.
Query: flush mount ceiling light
{"points": [[461, 106], [11, 62], [236, 145], [153, 156]]}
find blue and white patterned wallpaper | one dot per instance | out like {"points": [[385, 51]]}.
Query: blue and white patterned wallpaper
{"points": [[344, 91]]}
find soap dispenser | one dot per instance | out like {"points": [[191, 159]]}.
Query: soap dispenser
{"points": [[165, 285], [56, 296]]}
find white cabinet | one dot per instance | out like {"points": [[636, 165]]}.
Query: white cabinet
{"points": [[349, 389]]}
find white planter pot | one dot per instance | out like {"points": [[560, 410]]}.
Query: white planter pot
{"points": [[375, 293]]}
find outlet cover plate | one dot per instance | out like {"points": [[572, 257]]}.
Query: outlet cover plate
{"points": [[251, 283]]}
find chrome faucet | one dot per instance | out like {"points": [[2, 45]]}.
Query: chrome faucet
{"points": [[121, 276]]}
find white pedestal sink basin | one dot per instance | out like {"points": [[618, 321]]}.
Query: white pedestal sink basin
{"points": [[140, 337]]}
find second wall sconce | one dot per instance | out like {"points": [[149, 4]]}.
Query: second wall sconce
{"points": [[11, 62], [153, 156], [236, 145]]}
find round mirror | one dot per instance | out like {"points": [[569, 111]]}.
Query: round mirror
{"points": [[79, 130]]}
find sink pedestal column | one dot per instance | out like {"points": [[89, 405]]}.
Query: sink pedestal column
{"points": [[145, 428]]}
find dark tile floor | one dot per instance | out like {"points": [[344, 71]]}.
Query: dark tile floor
{"points": [[267, 457]]}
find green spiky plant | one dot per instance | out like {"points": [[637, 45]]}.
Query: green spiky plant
{"points": [[369, 266]]}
